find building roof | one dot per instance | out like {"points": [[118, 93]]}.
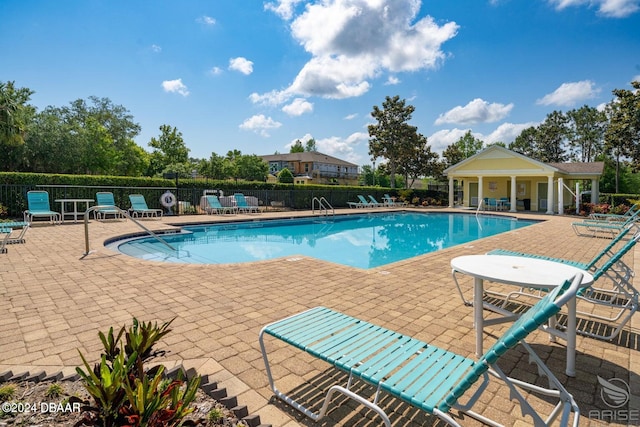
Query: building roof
{"points": [[511, 162], [580, 168], [307, 156]]}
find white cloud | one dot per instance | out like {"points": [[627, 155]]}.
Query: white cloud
{"points": [[272, 98], [241, 64], [215, 71], [354, 41], [282, 8], [351, 116], [635, 78], [260, 124], [507, 132], [476, 111], [298, 107], [175, 86], [156, 48], [443, 138], [607, 8], [206, 20], [392, 80], [569, 94], [344, 148]]}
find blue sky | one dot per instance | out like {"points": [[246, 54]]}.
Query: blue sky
{"points": [[256, 75]]}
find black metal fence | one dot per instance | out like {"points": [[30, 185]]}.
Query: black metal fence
{"points": [[14, 197]]}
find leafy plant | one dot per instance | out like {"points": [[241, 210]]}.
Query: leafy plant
{"points": [[54, 390], [215, 415], [7, 391], [124, 393]]}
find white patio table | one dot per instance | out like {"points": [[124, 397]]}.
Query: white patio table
{"points": [[75, 211], [521, 272]]}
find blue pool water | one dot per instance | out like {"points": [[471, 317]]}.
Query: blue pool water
{"points": [[362, 241]]}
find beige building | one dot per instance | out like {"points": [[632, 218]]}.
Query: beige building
{"points": [[518, 182], [312, 167]]}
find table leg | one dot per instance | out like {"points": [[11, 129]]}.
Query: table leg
{"points": [[571, 338], [62, 211], [478, 291]]}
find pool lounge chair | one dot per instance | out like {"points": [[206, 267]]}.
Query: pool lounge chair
{"points": [[389, 201], [425, 376], [620, 296], [4, 237], [374, 202], [38, 206], [213, 206], [596, 228], [615, 217], [243, 205], [365, 203], [105, 198], [23, 226], [140, 209]]}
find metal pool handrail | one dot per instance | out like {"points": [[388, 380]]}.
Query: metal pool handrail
{"points": [[126, 214]]}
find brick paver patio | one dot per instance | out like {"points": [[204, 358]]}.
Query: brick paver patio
{"points": [[55, 301]]}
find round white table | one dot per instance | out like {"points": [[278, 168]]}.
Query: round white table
{"points": [[522, 272]]}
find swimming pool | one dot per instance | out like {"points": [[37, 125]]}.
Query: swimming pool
{"points": [[362, 241]]}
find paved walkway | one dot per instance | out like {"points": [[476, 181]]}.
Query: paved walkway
{"points": [[54, 301]]}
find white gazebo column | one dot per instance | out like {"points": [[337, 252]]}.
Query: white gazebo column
{"points": [[560, 196], [549, 195], [595, 191], [450, 192], [480, 195], [512, 196]]}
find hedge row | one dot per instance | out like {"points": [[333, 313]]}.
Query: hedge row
{"points": [[14, 187]]}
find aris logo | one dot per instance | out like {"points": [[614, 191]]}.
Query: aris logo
{"points": [[615, 392]]}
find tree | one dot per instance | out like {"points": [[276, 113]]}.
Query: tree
{"points": [[297, 147], [212, 168], [586, 128], [419, 162], [551, 138], [465, 147], [87, 137], [169, 149], [285, 176], [310, 145], [252, 168], [525, 143], [622, 136], [15, 114], [392, 137]]}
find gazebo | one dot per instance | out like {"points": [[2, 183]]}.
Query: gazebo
{"points": [[519, 182]]}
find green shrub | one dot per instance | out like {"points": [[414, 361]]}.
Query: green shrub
{"points": [[123, 392]]}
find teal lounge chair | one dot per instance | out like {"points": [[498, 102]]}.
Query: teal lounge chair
{"points": [[374, 202], [243, 206], [614, 217], [388, 200], [214, 206], [425, 376], [595, 228], [38, 206], [4, 237], [140, 209], [23, 226], [359, 204], [365, 203], [620, 296], [105, 199]]}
